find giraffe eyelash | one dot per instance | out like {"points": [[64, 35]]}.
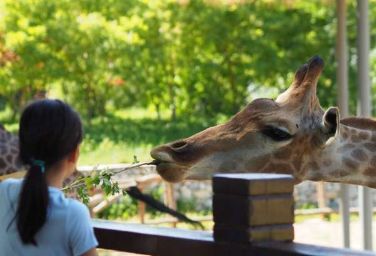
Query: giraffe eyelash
{"points": [[276, 134]]}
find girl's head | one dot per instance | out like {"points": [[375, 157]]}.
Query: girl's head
{"points": [[50, 131]]}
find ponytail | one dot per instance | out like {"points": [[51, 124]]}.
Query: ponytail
{"points": [[49, 131], [32, 205]]}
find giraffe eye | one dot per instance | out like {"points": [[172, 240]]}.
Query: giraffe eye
{"points": [[276, 134]]}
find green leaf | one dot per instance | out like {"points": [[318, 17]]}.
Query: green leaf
{"points": [[135, 161]]}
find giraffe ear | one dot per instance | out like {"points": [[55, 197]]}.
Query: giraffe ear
{"points": [[330, 124]]}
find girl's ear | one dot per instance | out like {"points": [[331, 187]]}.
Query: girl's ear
{"points": [[73, 156]]}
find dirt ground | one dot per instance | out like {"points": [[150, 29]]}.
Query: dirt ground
{"points": [[312, 231]]}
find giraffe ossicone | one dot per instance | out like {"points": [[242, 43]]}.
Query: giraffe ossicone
{"points": [[291, 135]]}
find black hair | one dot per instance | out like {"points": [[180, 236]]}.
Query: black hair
{"points": [[49, 131]]}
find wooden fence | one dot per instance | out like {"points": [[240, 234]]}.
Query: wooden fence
{"points": [[253, 215]]}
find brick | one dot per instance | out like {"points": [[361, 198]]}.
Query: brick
{"points": [[223, 233], [253, 211], [253, 184]]}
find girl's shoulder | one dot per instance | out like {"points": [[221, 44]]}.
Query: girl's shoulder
{"points": [[77, 209], [10, 186], [8, 182]]}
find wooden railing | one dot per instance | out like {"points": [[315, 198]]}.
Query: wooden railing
{"points": [[150, 240], [253, 215]]}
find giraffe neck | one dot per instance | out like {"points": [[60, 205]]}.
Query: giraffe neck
{"points": [[9, 149], [350, 158]]}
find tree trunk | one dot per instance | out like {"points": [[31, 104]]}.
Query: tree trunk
{"points": [[157, 108]]}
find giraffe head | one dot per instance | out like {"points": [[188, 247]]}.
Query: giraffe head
{"points": [[266, 136]]}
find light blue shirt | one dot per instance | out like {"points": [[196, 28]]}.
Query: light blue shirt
{"points": [[67, 231]]}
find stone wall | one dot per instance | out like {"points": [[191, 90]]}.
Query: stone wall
{"points": [[305, 194]]}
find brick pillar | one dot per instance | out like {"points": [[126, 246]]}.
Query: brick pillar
{"points": [[253, 207]]}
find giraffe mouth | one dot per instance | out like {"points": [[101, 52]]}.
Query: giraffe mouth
{"points": [[168, 169], [172, 172]]}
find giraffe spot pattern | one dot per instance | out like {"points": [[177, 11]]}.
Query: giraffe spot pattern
{"points": [[9, 159], [10, 170], [2, 164], [344, 137], [314, 166], [297, 161], [285, 169], [370, 184], [17, 162], [340, 173], [373, 161], [345, 148], [280, 168], [370, 172], [355, 139], [363, 135], [14, 143], [350, 163], [316, 177], [3, 150], [327, 162], [257, 164], [283, 154], [346, 128], [359, 155], [8, 136], [370, 146], [315, 141]]}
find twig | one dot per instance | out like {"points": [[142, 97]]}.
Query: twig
{"points": [[74, 185], [79, 182], [154, 162]]}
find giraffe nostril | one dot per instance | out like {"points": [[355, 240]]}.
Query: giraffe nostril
{"points": [[179, 145]]}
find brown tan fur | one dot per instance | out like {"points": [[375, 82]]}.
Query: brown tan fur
{"points": [[318, 147]]}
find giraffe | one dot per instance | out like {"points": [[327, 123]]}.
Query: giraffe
{"points": [[289, 135], [9, 159]]}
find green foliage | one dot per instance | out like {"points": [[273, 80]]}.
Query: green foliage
{"points": [[191, 59], [102, 178], [124, 209], [115, 138], [309, 205], [189, 205], [127, 208]]}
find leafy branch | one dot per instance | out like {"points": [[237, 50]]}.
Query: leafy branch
{"points": [[102, 178]]}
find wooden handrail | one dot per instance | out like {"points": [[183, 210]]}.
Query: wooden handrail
{"points": [[151, 240]]}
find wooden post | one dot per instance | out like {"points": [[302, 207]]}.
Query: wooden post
{"points": [[321, 200], [253, 207], [169, 199], [321, 197]]}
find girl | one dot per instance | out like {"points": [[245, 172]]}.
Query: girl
{"points": [[35, 217]]}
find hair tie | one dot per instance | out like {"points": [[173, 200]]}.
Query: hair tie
{"points": [[39, 163]]}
